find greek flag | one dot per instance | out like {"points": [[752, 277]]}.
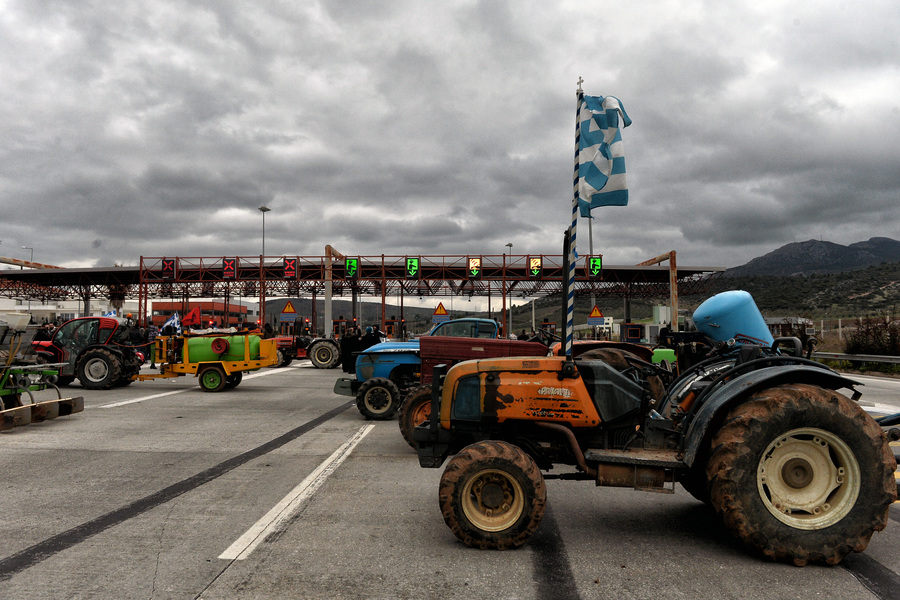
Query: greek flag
{"points": [[174, 321], [601, 154]]}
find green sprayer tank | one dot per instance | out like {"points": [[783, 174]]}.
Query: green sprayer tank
{"points": [[204, 349]]}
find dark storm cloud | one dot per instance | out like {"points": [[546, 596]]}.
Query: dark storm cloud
{"points": [[397, 127]]}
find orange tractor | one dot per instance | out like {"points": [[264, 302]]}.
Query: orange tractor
{"points": [[795, 469]]}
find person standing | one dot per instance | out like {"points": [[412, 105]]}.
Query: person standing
{"points": [[152, 333]]}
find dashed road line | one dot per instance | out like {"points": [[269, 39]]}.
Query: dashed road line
{"points": [[172, 393]]}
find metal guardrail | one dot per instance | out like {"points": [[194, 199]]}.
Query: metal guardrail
{"points": [[895, 360]]}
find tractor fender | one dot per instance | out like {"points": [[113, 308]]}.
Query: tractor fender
{"points": [[732, 393]]}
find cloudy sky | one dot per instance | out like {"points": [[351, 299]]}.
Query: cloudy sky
{"points": [[158, 128]]}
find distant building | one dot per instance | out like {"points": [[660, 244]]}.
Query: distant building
{"points": [[789, 326], [211, 312]]}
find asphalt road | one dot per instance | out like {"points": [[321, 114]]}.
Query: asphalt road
{"points": [[280, 489]]}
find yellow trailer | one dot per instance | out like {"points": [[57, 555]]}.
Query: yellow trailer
{"points": [[218, 360]]}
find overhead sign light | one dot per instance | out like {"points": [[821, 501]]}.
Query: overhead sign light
{"points": [[474, 268], [289, 268], [412, 267], [168, 268], [229, 268], [351, 268], [535, 267], [594, 265]]}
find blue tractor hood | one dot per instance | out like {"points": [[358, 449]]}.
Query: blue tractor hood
{"points": [[386, 347]]}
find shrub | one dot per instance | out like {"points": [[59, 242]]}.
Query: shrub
{"points": [[874, 335]]}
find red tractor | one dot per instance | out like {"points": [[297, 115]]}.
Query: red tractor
{"points": [[95, 350]]}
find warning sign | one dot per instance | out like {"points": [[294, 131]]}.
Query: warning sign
{"points": [[288, 314], [595, 319], [440, 314]]}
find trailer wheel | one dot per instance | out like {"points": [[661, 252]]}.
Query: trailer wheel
{"points": [[416, 410], [492, 495], [802, 474], [323, 355], [98, 369], [233, 380], [212, 379], [378, 398]]}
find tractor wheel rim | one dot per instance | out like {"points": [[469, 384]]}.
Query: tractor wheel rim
{"points": [[211, 379], [378, 400], [96, 370], [808, 478], [421, 413], [492, 500]]}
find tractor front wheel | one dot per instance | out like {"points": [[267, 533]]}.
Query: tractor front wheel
{"points": [[801, 474], [98, 369], [416, 410], [492, 495], [378, 398]]}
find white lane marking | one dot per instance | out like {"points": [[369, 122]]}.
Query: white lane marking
{"points": [[290, 504], [135, 400], [153, 396]]}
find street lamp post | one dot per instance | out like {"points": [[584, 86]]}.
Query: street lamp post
{"points": [[30, 260], [262, 270], [505, 313], [264, 209]]}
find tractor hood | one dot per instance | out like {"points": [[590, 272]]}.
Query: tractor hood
{"points": [[389, 347]]}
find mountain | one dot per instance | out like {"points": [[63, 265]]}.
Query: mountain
{"points": [[818, 257]]}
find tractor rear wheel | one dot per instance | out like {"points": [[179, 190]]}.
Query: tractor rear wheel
{"points": [[324, 355], [492, 495], [98, 369], [801, 474], [212, 379], [378, 398], [416, 410]]}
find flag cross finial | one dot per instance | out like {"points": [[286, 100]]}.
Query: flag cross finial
{"points": [[580, 81]]}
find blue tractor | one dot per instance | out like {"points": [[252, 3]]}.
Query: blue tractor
{"points": [[386, 370]]}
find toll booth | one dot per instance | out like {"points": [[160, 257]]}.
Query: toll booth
{"points": [[631, 332], [548, 326], [394, 327], [298, 327], [338, 326]]}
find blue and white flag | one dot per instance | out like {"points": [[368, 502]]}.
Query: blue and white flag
{"points": [[174, 321], [601, 154], [111, 313]]}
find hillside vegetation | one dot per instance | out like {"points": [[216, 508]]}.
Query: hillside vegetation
{"points": [[871, 291]]}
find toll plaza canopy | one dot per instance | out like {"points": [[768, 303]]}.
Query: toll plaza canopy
{"points": [[292, 276]]}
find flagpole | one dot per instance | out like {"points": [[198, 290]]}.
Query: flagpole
{"points": [[572, 250]]}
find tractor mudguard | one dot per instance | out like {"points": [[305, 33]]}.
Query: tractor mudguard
{"points": [[732, 392]]}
